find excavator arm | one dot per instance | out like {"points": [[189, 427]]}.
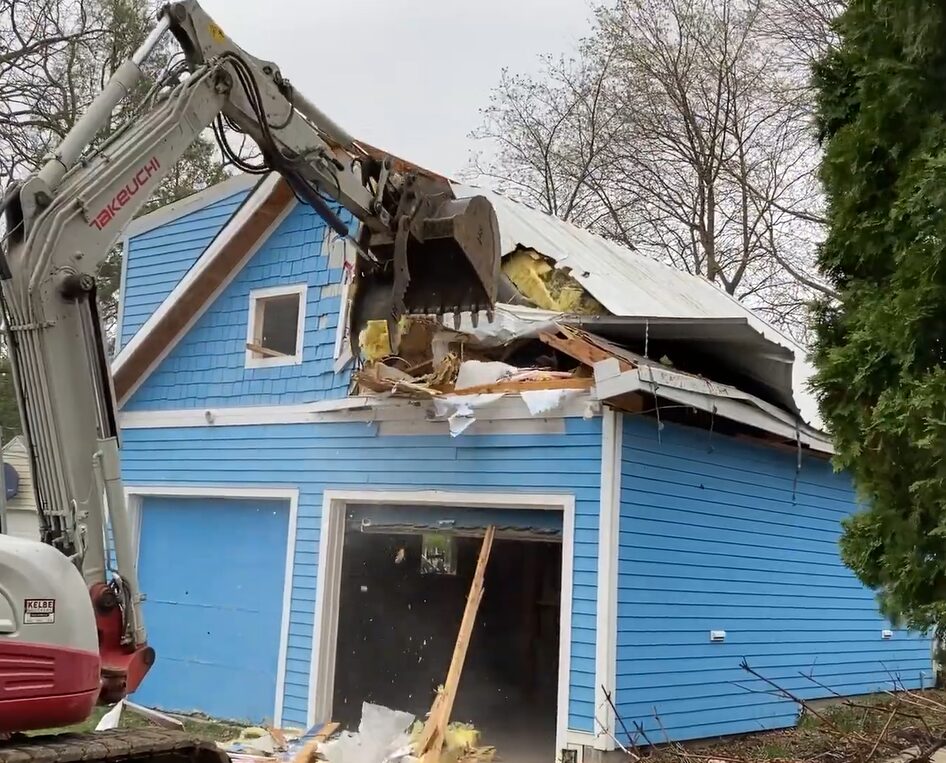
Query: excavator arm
{"points": [[421, 251]]}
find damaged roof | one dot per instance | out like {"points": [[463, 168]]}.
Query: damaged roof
{"points": [[631, 285], [645, 297]]}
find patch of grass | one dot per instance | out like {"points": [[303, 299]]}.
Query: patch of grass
{"points": [[774, 751], [208, 729]]}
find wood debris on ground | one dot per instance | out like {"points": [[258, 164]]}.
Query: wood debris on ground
{"points": [[257, 744], [896, 726]]}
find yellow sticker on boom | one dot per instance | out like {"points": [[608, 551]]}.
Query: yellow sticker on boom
{"points": [[217, 33]]}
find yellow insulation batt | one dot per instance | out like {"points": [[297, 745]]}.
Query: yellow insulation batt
{"points": [[548, 287]]}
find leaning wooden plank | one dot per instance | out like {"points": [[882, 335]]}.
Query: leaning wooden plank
{"points": [[260, 350], [574, 382], [431, 739]]}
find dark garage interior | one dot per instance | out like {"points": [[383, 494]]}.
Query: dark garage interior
{"points": [[398, 626]]}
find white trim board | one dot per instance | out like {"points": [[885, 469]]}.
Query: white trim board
{"points": [[368, 409], [231, 229], [133, 499], [122, 281], [192, 203], [331, 543], [606, 623], [703, 394]]}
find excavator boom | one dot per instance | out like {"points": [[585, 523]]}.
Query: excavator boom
{"points": [[74, 599]]}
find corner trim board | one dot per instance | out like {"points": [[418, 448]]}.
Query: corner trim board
{"points": [[331, 542], [134, 495], [609, 523]]}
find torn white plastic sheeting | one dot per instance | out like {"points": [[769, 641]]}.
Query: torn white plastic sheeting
{"points": [[704, 394], [459, 410], [475, 373], [112, 718], [540, 401], [382, 737]]}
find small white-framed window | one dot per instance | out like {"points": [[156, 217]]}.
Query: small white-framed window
{"points": [[276, 326]]}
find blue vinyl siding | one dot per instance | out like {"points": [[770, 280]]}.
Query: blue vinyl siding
{"points": [[206, 368], [216, 636], [159, 258], [717, 534], [314, 457]]}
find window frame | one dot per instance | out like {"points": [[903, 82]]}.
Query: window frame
{"points": [[251, 360]]}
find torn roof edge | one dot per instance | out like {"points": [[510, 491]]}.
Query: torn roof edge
{"points": [[611, 382]]}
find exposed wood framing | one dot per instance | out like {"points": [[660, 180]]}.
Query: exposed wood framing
{"points": [[577, 346], [527, 385]]}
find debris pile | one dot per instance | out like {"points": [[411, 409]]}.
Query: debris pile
{"points": [[256, 744], [392, 736], [463, 371], [385, 735]]}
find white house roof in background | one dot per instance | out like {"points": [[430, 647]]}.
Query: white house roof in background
{"points": [[15, 444], [630, 284]]}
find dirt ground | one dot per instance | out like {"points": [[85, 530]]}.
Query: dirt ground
{"points": [[860, 730]]}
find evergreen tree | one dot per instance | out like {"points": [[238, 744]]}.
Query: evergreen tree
{"points": [[880, 350]]}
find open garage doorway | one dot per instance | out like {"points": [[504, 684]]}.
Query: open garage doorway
{"points": [[403, 574]]}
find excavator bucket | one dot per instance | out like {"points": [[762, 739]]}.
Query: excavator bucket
{"points": [[444, 260]]}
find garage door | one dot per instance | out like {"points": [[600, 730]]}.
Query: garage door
{"points": [[212, 570]]}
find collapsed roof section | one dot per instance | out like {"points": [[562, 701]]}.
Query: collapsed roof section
{"points": [[547, 359], [672, 305]]}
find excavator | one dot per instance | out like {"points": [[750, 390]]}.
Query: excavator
{"points": [[72, 630]]}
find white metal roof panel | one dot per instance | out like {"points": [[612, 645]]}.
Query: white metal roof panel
{"points": [[629, 284]]}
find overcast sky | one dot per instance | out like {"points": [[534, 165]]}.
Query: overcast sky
{"points": [[408, 76]]}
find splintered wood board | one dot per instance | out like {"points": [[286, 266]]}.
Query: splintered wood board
{"points": [[431, 739], [529, 385]]}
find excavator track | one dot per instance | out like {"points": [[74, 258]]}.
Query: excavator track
{"points": [[143, 745]]}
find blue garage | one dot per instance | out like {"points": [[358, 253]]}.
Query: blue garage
{"points": [[217, 637]]}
